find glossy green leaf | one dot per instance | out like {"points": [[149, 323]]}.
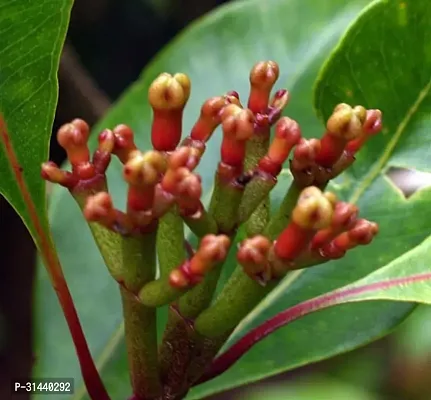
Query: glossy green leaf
{"points": [[32, 34], [217, 53], [31, 39], [376, 60]]}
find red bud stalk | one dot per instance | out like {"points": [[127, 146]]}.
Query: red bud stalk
{"points": [[87, 176], [168, 96]]}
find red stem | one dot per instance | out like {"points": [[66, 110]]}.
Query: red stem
{"points": [[331, 150], [336, 297], [94, 384]]}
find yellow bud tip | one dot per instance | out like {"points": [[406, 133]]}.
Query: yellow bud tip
{"points": [[169, 92], [347, 122], [156, 160], [314, 209], [144, 169]]}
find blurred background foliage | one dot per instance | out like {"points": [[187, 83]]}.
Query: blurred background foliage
{"points": [[109, 43]]}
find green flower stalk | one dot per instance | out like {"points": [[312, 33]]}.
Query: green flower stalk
{"points": [[145, 248]]}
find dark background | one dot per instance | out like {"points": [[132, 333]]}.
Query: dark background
{"points": [[108, 44]]}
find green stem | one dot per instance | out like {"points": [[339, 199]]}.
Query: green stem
{"points": [[256, 198], [182, 346], [170, 242], [131, 260], [171, 254], [159, 293], [224, 205], [257, 147], [199, 298], [108, 242], [282, 217], [173, 353], [139, 254], [141, 343], [214, 325], [239, 296], [202, 224]]}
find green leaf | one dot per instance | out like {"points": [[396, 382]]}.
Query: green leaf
{"points": [[217, 52], [32, 34], [31, 38]]}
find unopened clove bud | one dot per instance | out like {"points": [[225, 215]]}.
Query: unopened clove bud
{"points": [[124, 142], [253, 257], [168, 96], [263, 76], [169, 92], [210, 116], [313, 211], [73, 138], [212, 250]]}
